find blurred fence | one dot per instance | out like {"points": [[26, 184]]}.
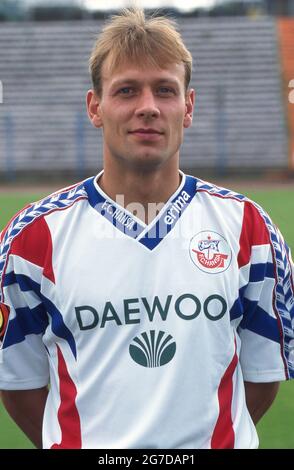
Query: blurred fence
{"points": [[239, 123]]}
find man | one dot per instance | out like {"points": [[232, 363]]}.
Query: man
{"points": [[145, 297]]}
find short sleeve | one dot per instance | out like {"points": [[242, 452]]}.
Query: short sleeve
{"points": [[266, 292], [23, 321]]}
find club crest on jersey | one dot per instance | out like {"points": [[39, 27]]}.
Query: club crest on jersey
{"points": [[210, 252], [4, 313], [153, 349]]}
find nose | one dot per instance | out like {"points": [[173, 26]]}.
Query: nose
{"points": [[147, 107]]}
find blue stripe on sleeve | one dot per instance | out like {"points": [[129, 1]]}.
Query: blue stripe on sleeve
{"points": [[260, 322], [261, 270], [27, 321], [59, 328]]}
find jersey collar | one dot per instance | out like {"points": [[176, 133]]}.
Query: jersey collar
{"points": [[148, 235]]}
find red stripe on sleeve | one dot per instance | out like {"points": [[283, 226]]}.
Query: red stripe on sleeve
{"points": [[223, 435], [68, 416], [34, 244], [254, 232]]}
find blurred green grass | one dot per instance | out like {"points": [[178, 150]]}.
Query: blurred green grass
{"points": [[276, 427]]}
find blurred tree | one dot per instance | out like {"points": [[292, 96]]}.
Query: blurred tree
{"points": [[57, 12], [52, 10], [245, 7], [40, 10], [280, 7], [11, 10]]}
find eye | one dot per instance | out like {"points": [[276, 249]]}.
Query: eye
{"points": [[166, 91], [126, 91]]}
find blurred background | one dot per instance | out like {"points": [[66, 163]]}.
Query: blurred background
{"points": [[243, 64], [243, 131]]}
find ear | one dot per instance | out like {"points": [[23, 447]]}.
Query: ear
{"points": [[190, 101], [93, 108]]}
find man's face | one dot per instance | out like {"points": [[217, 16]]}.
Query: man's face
{"points": [[143, 112]]}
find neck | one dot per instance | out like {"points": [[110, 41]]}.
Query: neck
{"points": [[144, 193]]}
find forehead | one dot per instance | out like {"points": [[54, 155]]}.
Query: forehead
{"points": [[141, 72]]}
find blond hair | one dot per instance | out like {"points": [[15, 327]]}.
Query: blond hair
{"points": [[131, 37]]}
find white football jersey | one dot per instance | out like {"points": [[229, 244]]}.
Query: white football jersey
{"points": [[145, 333]]}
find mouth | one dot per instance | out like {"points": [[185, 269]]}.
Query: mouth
{"points": [[146, 133]]}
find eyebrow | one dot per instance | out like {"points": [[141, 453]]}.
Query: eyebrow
{"points": [[133, 81]]}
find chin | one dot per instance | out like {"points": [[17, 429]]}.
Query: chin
{"points": [[148, 162]]}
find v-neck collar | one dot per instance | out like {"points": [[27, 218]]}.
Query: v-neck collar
{"points": [[148, 235]]}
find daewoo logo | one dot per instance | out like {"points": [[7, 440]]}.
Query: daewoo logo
{"points": [[176, 208], [132, 311], [153, 349]]}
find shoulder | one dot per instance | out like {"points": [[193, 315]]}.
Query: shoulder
{"points": [[214, 191], [28, 232], [250, 208], [257, 226], [34, 212]]}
